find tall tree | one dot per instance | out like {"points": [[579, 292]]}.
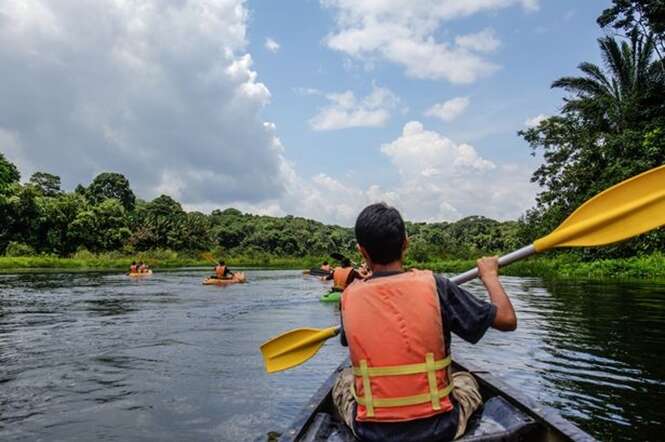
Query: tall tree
{"points": [[628, 93], [607, 130], [47, 183], [642, 16], [9, 174], [111, 185], [102, 227]]}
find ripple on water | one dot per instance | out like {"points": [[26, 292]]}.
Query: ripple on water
{"points": [[170, 359]]}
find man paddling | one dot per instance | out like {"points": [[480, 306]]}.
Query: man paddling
{"points": [[397, 326], [343, 275], [222, 272], [325, 267]]}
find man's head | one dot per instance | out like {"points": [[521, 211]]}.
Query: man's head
{"points": [[381, 234], [325, 263], [346, 262], [221, 263]]}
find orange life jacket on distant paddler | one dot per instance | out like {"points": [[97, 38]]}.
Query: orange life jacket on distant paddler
{"points": [[340, 277], [394, 328]]}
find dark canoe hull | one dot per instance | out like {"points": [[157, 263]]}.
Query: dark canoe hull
{"points": [[506, 416]]}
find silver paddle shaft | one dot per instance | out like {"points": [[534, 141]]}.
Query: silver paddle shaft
{"points": [[505, 260]]}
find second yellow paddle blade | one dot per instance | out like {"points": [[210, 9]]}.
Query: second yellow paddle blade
{"points": [[627, 209], [294, 347]]}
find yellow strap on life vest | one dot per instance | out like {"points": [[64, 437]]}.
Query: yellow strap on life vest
{"points": [[397, 370], [431, 379], [399, 401], [430, 367], [367, 387]]}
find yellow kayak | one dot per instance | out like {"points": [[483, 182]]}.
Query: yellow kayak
{"points": [[140, 274], [237, 278]]}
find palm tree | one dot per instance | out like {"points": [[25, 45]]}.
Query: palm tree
{"points": [[630, 91]]}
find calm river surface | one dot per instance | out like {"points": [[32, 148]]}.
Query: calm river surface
{"points": [[97, 356]]}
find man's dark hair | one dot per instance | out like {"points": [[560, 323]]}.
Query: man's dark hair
{"points": [[380, 231], [221, 263], [346, 262], [325, 263]]}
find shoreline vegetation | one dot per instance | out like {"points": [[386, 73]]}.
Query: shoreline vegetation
{"points": [[552, 266]]}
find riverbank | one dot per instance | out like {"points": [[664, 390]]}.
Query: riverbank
{"points": [[156, 261], [559, 266], [568, 266]]}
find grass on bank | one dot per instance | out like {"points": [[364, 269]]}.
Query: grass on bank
{"points": [[567, 266], [156, 259], [553, 266]]}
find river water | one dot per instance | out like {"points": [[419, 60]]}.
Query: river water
{"points": [[97, 356]]}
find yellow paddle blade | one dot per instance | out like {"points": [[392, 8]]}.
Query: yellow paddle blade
{"points": [[294, 347], [627, 209]]}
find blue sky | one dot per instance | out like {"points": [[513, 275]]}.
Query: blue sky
{"points": [[536, 48], [414, 103]]}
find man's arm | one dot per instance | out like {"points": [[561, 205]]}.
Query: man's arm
{"points": [[505, 319]]}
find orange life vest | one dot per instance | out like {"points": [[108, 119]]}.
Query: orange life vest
{"points": [[340, 277], [220, 271], [394, 328]]}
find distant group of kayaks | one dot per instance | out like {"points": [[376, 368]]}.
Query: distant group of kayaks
{"points": [[341, 276], [222, 277]]}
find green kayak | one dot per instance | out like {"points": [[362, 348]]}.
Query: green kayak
{"points": [[331, 297]]}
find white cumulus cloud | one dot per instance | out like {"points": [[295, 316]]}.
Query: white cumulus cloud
{"points": [[449, 110], [535, 121], [403, 32], [345, 110], [483, 41], [165, 94], [271, 45], [438, 179]]}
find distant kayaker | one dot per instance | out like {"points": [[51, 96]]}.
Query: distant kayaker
{"points": [[143, 268], [222, 272], [133, 268], [325, 267], [343, 275], [398, 326]]}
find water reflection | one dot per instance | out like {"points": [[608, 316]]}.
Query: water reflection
{"points": [[91, 356]]}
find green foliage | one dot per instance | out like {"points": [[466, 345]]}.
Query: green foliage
{"points": [[642, 16], [111, 185], [9, 174], [19, 249], [48, 184], [101, 227], [610, 129]]}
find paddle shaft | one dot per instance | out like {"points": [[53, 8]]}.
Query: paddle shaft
{"points": [[467, 276], [505, 260]]}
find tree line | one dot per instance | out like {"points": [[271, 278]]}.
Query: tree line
{"points": [[106, 216], [611, 126]]}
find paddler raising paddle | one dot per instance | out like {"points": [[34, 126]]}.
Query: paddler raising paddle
{"points": [[398, 326]]}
